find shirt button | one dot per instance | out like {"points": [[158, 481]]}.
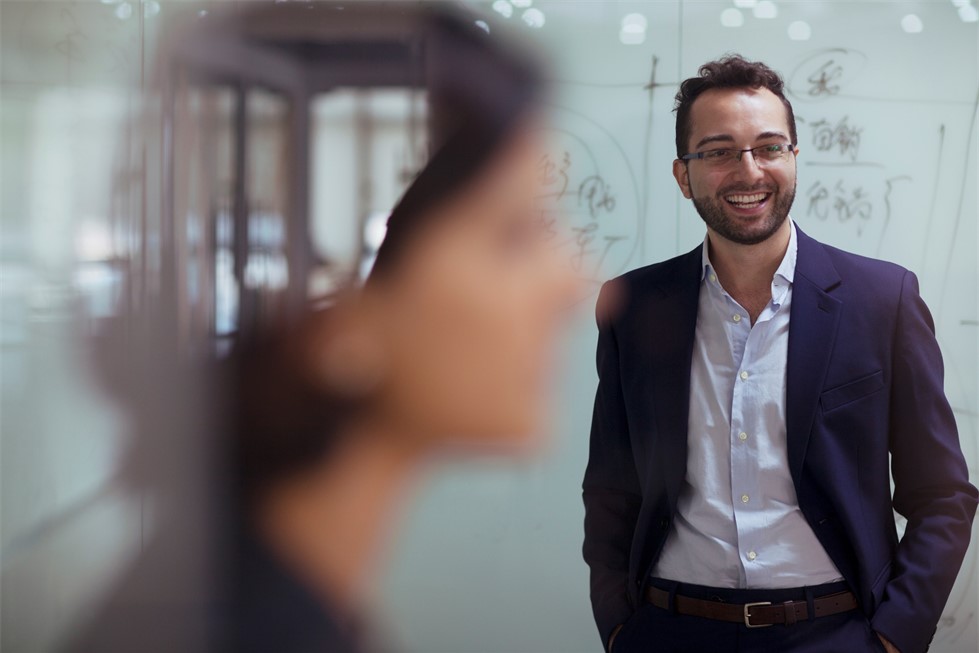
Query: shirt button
{"points": [[737, 317], [744, 376], [742, 436], [713, 278], [744, 498], [752, 555]]}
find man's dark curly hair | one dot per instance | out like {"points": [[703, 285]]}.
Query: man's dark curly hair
{"points": [[732, 71]]}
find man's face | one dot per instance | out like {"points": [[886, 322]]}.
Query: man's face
{"points": [[743, 201]]}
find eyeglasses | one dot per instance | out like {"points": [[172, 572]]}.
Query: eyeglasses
{"points": [[763, 155]]}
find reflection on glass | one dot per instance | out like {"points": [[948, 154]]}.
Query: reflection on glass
{"points": [[267, 187], [225, 283], [366, 147], [230, 195], [203, 200]]}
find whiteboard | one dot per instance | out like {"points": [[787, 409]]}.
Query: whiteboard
{"points": [[887, 168]]}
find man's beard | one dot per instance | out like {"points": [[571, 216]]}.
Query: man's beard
{"points": [[712, 212]]}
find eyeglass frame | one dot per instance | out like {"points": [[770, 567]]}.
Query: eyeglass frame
{"points": [[693, 156]]}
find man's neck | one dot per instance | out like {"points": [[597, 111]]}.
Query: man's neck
{"points": [[748, 269]]}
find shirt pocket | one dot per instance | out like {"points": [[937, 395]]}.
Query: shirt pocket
{"points": [[851, 391]]}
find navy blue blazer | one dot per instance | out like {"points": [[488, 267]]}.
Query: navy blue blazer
{"points": [[864, 380]]}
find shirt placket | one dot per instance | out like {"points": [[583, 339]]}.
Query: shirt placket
{"points": [[745, 438]]}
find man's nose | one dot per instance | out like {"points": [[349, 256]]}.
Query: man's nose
{"points": [[748, 168]]}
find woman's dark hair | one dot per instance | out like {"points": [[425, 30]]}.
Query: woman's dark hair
{"points": [[479, 88], [281, 415], [732, 71], [283, 419]]}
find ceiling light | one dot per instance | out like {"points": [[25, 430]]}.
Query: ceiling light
{"points": [[800, 31], [632, 38], [732, 18], [912, 24], [766, 9], [503, 8], [634, 23], [534, 18]]}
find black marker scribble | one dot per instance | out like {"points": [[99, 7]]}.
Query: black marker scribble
{"points": [[548, 223], [582, 210], [822, 80], [589, 207], [889, 183], [583, 239], [595, 192], [840, 202], [610, 241], [825, 73], [554, 176], [843, 136], [71, 44]]}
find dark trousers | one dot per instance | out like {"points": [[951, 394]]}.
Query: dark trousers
{"points": [[655, 630]]}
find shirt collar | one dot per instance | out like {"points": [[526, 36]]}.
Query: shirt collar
{"points": [[786, 268]]}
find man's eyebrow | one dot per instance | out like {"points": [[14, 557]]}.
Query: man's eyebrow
{"points": [[765, 135], [727, 138], [717, 138]]}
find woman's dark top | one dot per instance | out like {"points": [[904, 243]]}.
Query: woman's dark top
{"points": [[274, 611]]}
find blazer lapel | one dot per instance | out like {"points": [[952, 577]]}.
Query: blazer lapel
{"points": [[673, 325], [814, 319]]}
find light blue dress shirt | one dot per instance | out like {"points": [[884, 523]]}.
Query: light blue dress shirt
{"points": [[738, 521]]}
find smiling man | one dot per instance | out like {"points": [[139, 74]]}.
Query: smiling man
{"points": [[755, 396]]}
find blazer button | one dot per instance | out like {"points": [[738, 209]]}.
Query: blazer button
{"points": [[664, 522]]}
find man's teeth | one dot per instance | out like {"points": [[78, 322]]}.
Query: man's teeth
{"points": [[746, 199]]}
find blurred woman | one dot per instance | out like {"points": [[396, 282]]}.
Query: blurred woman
{"points": [[324, 422], [447, 349]]}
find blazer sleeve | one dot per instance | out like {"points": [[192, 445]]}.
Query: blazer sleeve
{"points": [[611, 491], [931, 482]]}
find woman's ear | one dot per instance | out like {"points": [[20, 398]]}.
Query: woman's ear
{"points": [[681, 173], [347, 350]]}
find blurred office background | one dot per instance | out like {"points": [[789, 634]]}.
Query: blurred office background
{"points": [[292, 173]]}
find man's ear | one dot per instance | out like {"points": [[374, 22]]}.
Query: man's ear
{"points": [[682, 176]]}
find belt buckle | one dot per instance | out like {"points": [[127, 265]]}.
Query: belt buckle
{"points": [[747, 614]]}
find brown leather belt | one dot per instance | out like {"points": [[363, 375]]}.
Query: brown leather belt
{"points": [[753, 615]]}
